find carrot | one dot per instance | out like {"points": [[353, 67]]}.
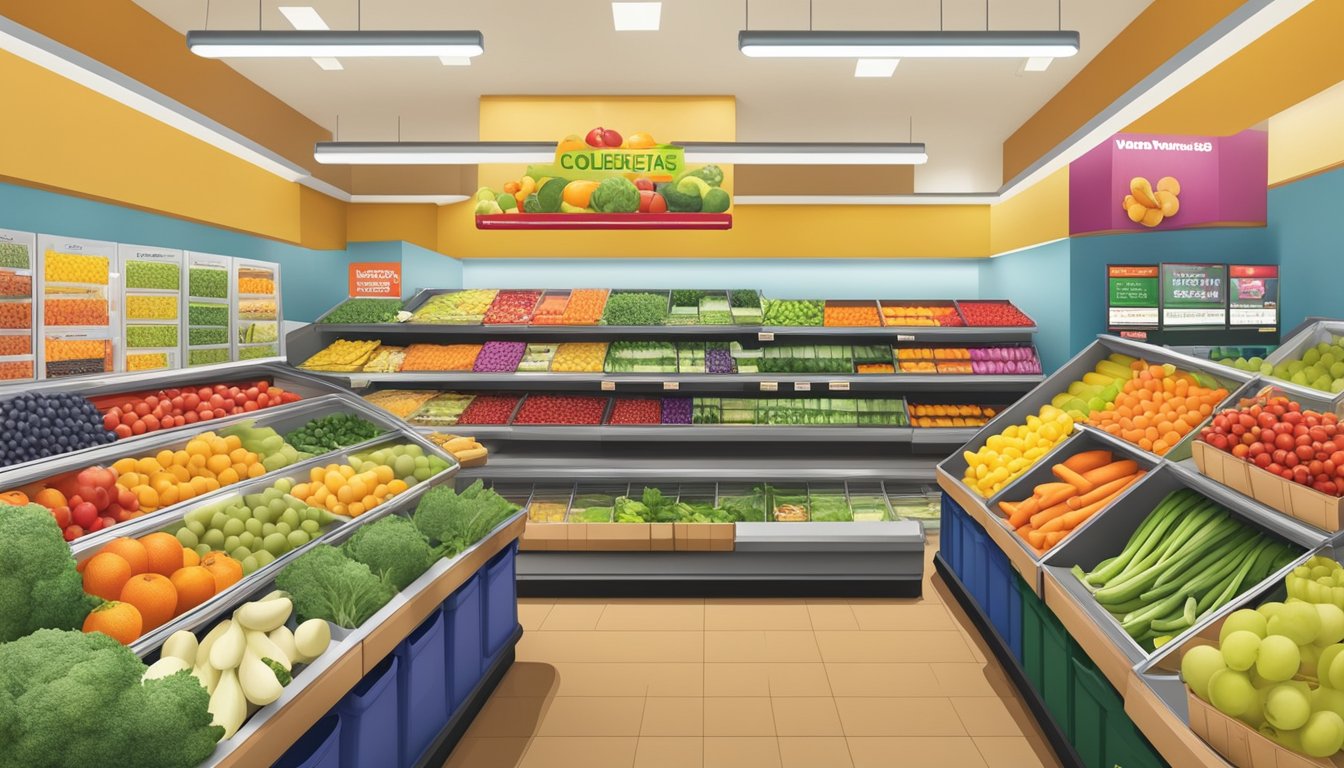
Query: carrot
{"points": [[1058, 495], [1054, 537], [1023, 513], [1071, 519], [1046, 515], [1045, 488], [1072, 478], [1113, 471], [1103, 491], [1008, 507], [1036, 539], [1088, 460]]}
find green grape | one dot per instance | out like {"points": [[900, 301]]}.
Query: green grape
{"points": [[253, 526], [1309, 654], [278, 506], [1298, 621], [1269, 610], [231, 543], [284, 485], [276, 544], [187, 538], [421, 462], [263, 558], [1278, 658], [1335, 673], [234, 527], [283, 527], [241, 553], [1198, 665], [197, 527], [1244, 619], [267, 529], [263, 513], [290, 518], [250, 565], [1324, 662], [310, 527], [202, 550], [297, 539], [246, 539], [213, 538], [1327, 699], [1332, 624], [218, 520], [1287, 707], [1231, 692], [1323, 734], [1240, 649]]}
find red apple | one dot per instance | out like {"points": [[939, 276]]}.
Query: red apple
{"points": [[84, 514], [611, 138], [643, 184], [595, 137], [62, 515], [651, 202], [73, 532]]}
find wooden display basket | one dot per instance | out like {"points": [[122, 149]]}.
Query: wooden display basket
{"points": [[1293, 499], [1241, 745], [703, 537]]}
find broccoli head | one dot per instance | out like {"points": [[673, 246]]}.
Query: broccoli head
{"points": [[70, 698], [455, 521], [325, 584], [616, 195], [39, 586], [393, 549]]}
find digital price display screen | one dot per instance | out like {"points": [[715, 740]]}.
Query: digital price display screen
{"points": [[1194, 296]]}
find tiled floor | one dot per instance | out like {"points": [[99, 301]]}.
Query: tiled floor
{"points": [[748, 683]]}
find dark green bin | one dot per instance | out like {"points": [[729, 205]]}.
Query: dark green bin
{"points": [[1103, 735], [1046, 653]]}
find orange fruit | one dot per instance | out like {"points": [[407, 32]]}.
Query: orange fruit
{"points": [[165, 552], [154, 596], [131, 551], [226, 570], [119, 621], [105, 574], [50, 498], [190, 558], [194, 586]]}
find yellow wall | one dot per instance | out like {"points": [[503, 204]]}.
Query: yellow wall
{"points": [[376, 222], [1038, 214], [1307, 138]]}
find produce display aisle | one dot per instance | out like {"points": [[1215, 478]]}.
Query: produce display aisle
{"points": [[1049, 553], [219, 533]]}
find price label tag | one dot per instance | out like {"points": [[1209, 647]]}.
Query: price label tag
{"points": [[802, 386], [905, 337], [769, 386], [359, 383], [608, 386], [838, 386], [765, 336], [671, 385]]}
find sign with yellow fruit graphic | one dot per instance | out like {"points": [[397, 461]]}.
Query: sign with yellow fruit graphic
{"points": [[1148, 206]]}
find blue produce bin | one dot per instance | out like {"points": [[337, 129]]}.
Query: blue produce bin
{"points": [[420, 675], [501, 600], [369, 719], [463, 636], [949, 534], [1003, 604], [318, 748]]}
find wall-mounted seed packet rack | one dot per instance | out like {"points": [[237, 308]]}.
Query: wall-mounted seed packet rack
{"points": [[77, 311], [257, 310], [209, 309], [151, 281], [18, 252]]}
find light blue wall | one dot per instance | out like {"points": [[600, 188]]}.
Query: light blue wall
{"points": [[423, 268], [1037, 281], [1306, 230]]}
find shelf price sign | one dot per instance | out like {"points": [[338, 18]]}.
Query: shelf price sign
{"points": [[1253, 296], [375, 279], [1132, 296], [1194, 296]]}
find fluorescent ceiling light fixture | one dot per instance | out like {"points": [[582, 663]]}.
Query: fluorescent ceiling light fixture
{"points": [[315, 43], [1037, 64], [636, 17], [951, 44], [875, 67], [305, 17], [455, 61], [794, 153], [328, 64], [432, 152]]}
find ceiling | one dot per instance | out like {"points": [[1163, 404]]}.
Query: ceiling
{"points": [[962, 109]]}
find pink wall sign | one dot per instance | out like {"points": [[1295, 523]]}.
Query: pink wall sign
{"points": [[1191, 181]]}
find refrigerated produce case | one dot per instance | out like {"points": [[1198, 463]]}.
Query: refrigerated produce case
{"points": [[258, 312], [77, 313], [151, 281], [210, 314], [18, 259], [467, 596], [1103, 697]]}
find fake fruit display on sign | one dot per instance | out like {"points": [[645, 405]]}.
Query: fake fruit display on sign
{"points": [[1149, 205]]}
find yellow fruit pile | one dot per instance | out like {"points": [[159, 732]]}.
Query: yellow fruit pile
{"points": [[1010, 453], [342, 355], [342, 491], [579, 357], [1148, 206], [151, 307], [76, 268], [209, 462]]}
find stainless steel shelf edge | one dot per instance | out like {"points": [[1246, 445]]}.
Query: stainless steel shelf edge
{"points": [[893, 382], [898, 334], [688, 433], [820, 536], [1271, 519], [724, 468]]}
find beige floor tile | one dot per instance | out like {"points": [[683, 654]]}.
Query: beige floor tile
{"points": [[986, 716], [532, 614], [903, 617], [593, 716], [628, 679], [761, 646], [653, 615], [1009, 752], [504, 716], [487, 753], [580, 752], [737, 679], [673, 716], [798, 679], [806, 716], [914, 752], [572, 646], [899, 717], [883, 679], [676, 680], [670, 752], [739, 716], [832, 616], [741, 752], [814, 752], [971, 679], [529, 678], [756, 614], [570, 616], [891, 646]]}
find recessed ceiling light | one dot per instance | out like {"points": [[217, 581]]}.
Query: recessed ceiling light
{"points": [[875, 67], [1037, 63], [306, 17], [455, 61], [636, 17], [952, 44], [328, 64]]}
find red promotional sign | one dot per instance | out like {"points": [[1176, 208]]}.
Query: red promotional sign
{"points": [[375, 279]]}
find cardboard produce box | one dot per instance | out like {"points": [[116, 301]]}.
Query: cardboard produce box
{"points": [[703, 537], [1293, 499], [1241, 745]]}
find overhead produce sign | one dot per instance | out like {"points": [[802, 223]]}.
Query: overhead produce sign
{"points": [[606, 181], [1132, 297], [1253, 296], [1135, 182], [375, 279], [1193, 304]]}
